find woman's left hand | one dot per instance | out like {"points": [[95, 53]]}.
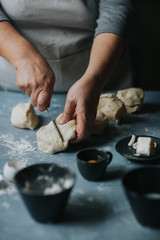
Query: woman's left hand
{"points": [[83, 96], [81, 104]]}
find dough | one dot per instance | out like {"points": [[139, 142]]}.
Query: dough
{"points": [[112, 107], [100, 123], [23, 116], [132, 98], [49, 140]]}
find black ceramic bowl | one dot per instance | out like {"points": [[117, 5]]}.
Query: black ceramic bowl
{"points": [[142, 187], [92, 163], [45, 189]]}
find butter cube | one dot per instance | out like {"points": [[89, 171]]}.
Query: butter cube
{"points": [[145, 146]]}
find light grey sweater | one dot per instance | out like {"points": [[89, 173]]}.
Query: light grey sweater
{"points": [[112, 16]]}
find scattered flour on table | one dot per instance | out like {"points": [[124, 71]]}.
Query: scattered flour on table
{"points": [[7, 188], [5, 205], [79, 191], [16, 148], [107, 149], [120, 207], [1, 178], [100, 187], [57, 105], [90, 199]]}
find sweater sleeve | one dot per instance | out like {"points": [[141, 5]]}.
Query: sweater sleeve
{"points": [[3, 15], [113, 16]]}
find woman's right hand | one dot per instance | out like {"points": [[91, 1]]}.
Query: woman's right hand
{"points": [[34, 75], [36, 79]]}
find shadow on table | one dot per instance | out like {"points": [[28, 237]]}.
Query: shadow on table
{"points": [[42, 121], [138, 116], [94, 141], [86, 209], [113, 173], [133, 118], [150, 108]]}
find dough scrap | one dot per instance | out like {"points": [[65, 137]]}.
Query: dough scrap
{"points": [[49, 140], [23, 116], [100, 123], [132, 98], [112, 107]]}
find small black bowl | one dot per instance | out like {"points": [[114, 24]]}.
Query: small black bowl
{"points": [[92, 163], [45, 189], [142, 188]]}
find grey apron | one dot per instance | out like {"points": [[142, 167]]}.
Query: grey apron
{"points": [[62, 30]]}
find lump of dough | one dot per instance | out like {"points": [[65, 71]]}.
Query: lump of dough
{"points": [[112, 107], [132, 98], [23, 116], [49, 140], [100, 123]]}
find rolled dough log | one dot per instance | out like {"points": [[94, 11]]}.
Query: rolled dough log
{"points": [[23, 116], [49, 140], [132, 98], [112, 107]]}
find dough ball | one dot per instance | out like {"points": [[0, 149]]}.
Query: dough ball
{"points": [[132, 98], [23, 116], [112, 107], [11, 168], [49, 140], [100, 123]]}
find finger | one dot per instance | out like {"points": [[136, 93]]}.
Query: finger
{"points": [[28, 91], [41, 97], [43, 100], [81, 129], [34, 97], [21, 88], [68, 112]]}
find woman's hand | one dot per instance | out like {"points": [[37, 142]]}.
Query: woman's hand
{"points": [[81, 104], [83, 96], [36, 79], [34, 75]]}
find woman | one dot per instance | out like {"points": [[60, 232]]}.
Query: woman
{"points": [[62, 46]]}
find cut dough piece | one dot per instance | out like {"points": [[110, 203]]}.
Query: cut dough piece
{"points": [[145, 146], [100, 123], [23, 116], [49, 140], [112, 107], [132, 98]]}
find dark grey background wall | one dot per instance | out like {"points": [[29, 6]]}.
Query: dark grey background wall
{"points": [[144, 42]]}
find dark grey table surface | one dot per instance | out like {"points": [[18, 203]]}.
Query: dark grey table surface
{"points": [[96, 210]]}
